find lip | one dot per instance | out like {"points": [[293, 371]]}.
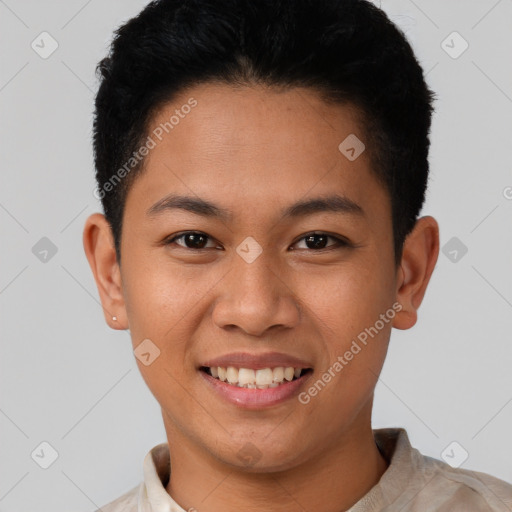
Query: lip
{"points": [[257, 361], [248, 398]]}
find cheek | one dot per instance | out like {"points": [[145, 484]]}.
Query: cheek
{"points": [[347, 298], [156, 294], [347, 308], [157, 302]]}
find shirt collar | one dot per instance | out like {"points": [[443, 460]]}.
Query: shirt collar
{"points": [[404, 470], [157, 468], [393, 443]]}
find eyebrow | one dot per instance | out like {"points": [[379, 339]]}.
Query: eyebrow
{"points": [[329, 204]]}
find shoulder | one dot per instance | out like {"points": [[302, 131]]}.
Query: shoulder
{"points": [[460, 490], [128, 502], [415, 482]]}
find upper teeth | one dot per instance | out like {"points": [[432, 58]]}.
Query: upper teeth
{"points": [[247, 377]]}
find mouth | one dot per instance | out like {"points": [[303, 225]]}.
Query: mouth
{"points": [[258, 379]]}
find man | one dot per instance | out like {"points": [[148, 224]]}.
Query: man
{"points": [[262, 166]]}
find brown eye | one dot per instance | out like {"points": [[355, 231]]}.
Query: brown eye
{"points": [[196, 240], [319, 241], [190, 240]]}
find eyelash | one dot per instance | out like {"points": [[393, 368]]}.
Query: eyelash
{"points": [[340, 242]]}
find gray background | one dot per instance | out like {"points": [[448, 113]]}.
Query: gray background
{"points": [[69, 380]]}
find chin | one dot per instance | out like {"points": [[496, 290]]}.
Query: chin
{"points": [[253, 456]]}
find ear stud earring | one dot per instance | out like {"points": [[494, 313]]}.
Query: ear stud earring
{"points": [[114, 318]]}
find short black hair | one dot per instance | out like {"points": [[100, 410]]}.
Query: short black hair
{"points": [[346, 50]]}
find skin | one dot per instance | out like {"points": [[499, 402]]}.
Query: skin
{"points": [[254, 151]]}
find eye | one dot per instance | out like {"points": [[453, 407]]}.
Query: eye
{"points": [[318, 241], [197, 240], [191, 240]]}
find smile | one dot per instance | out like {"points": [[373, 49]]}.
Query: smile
{"points": [[255, 379]]}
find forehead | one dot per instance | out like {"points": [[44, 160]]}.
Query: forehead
{"points": [[255, 146]]}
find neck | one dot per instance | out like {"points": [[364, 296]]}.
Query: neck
{"points": [[332, 480]]}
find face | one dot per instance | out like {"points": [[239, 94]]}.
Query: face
{"points": [[248, 273]]}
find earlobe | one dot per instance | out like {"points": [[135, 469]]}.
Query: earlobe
{"points": [[419, 257], [100, 252]]}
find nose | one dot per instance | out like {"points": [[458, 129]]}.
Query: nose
{"points": [[255, 297]]}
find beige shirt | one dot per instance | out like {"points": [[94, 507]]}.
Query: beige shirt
{"points": [[412, 483]]}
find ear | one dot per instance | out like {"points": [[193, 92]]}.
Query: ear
{"points": [[99, 248], [419, 257]]}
